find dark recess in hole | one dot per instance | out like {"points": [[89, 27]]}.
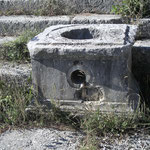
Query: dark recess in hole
{"points": [[78, 34], [78, 77]]}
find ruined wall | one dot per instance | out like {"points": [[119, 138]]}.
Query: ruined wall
{"points": [[55, 7]]}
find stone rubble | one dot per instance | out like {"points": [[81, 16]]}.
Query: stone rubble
{"points": [[45, 139], [39, 139]]}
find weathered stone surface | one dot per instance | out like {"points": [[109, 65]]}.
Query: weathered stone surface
{"points": [[97, 19], [59, 7], [71, 62], [72, 40], [15, 25], [143, 29]]}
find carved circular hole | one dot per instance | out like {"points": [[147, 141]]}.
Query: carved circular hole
{"points": [[79, 34], [78, 77]]}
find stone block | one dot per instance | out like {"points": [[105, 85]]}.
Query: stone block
{"points": [[91, 63]]}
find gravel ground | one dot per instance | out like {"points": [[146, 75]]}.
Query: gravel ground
{"points": [[135, 141], [13, 72], [39, 139], [45, 139]]}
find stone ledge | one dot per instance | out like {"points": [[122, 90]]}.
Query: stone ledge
{"points": [[15, 25]]}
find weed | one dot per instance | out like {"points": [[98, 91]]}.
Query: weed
{"points": [[101, 124], [17, 50], [13, 101], [89, 143], [132, 8]]}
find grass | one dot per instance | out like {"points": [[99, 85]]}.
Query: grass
{"points": [[98, 124], [133, 9], [13, 101], [17, 50], [15, 98]]}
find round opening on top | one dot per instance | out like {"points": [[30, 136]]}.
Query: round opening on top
{"points": [[78, 34], [78, 77]]}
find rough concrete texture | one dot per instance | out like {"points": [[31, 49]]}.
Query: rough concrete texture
{"points": [[58, 6], [16, 73], [72, 62], [15, 25], [143, 29], [39, 139]]}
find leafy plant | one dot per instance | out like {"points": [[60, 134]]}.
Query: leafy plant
{"points": [[17, 50], [15, 98], [132, 8], [13, 101], [99, 123]]}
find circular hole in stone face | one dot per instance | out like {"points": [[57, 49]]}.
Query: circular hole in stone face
{"points": [[78, 77], [79, 34]]}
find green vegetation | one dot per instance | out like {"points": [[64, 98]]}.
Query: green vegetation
{"points": [[17, 50], [100, 124], [14, 99], [132, 8]]}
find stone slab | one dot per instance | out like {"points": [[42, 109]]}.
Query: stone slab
{"points": [[107, 40], [96, 19], [15, 25]]}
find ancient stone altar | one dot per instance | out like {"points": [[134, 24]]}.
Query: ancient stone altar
{"points": [[90, 64]]}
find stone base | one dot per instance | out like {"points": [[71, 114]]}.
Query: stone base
{"points": [[80, 108]]}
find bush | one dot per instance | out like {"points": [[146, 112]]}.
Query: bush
{"points": [[132, 8]]}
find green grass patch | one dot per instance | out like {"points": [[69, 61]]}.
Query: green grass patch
{"points": [[17, 50], [15, 98]]}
